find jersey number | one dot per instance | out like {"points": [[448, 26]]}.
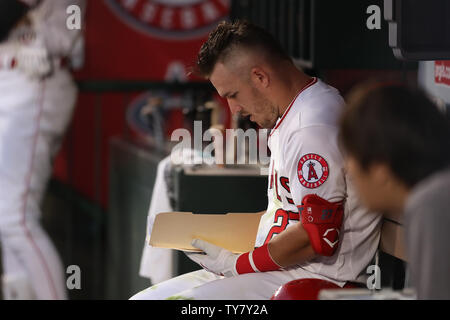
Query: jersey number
{"points": [[281, 220]]}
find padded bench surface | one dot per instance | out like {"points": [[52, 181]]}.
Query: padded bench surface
{"points": [[392, 239]]}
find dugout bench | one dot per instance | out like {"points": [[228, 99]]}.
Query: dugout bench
{"points": [[390, 258]]}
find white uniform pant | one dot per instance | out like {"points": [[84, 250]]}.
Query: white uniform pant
{"points": [[204, 285], [33, 117]]}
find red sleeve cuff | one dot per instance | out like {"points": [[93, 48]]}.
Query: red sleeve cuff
{"points": [[258, 260]]}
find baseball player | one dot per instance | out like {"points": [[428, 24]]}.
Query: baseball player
{"points": [[314, 226], [37, 96]]}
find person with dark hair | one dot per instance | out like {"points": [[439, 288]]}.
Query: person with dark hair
{"points": [[11, 13], [314, 226], [397, 146]]}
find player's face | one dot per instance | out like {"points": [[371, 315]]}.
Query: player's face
{"points": [[243, 98]]}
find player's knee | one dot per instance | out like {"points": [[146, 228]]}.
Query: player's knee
{"points": [[146, 294], [14, 227], [138, 296]]}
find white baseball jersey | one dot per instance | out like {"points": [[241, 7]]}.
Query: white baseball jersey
{"points": [[305, 159]]}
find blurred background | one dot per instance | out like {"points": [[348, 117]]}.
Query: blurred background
{"points": [[135, 90]]}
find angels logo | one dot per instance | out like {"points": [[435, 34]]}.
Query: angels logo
{"points": [[312, 170], [172, 19]]}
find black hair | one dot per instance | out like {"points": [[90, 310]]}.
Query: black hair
{"points": [[229, 35], [398, 126], [11, 11]]}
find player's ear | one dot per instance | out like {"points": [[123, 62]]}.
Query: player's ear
{"points": [[259, 77]]}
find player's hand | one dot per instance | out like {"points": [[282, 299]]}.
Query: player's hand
{"points": [[216, 259], [225, 263]]}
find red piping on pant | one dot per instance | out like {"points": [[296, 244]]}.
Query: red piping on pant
{"points": [[28, 185]]}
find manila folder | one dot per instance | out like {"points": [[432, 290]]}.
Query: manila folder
{"points": [[235, 232]]}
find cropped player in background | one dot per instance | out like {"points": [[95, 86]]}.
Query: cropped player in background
{"points": [[397, 150], [37, 96], [314, 226]]}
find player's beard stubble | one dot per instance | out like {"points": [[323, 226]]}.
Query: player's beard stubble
{"points": [[266, 113]]}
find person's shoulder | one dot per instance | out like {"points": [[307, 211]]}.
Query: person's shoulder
{"points": [[321, 104], [431, 194], [434, 185]]}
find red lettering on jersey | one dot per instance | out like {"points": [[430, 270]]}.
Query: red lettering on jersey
{"points": [[281, 218], [276, 186], [285, 183]]}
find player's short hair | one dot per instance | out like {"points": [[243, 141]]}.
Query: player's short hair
{"points": [[397, 126], [238, 34]]}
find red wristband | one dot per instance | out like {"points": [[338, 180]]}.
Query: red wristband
{"points": [[258, 260]]}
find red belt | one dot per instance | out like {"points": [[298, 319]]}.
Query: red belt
{"points": [[11, 64]]}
